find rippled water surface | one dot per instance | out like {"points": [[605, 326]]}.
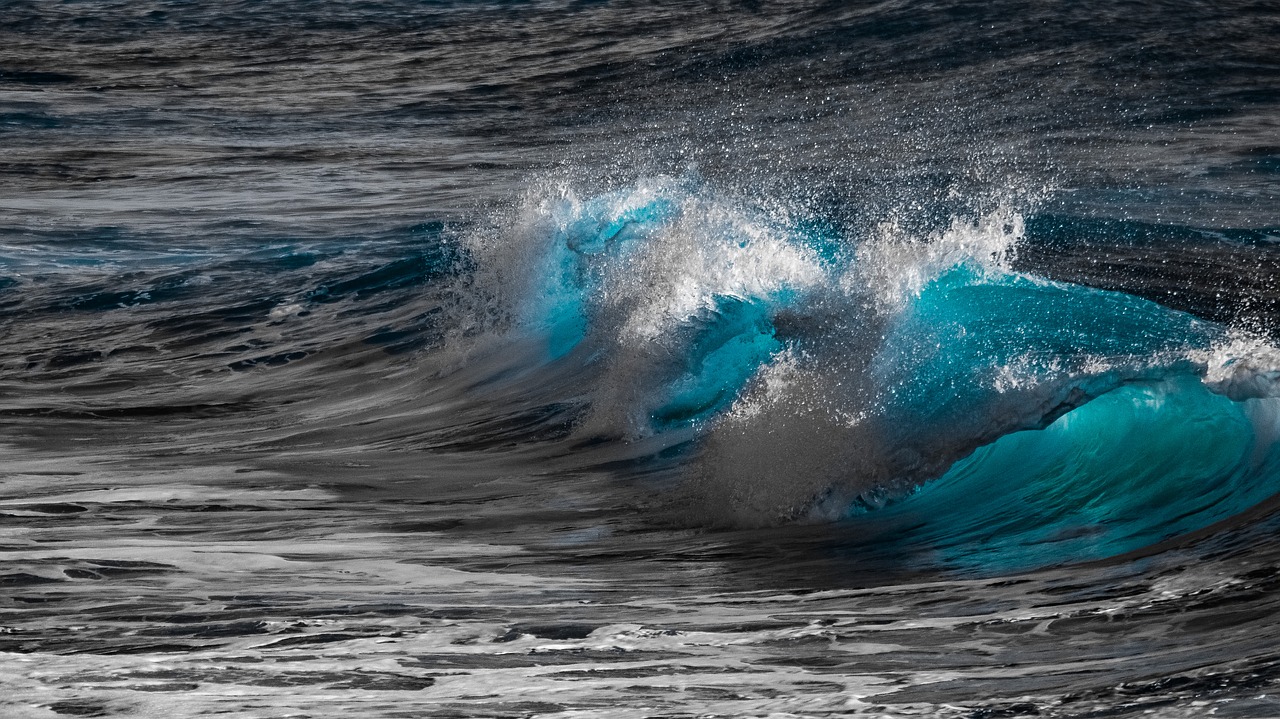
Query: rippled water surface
{"points": [[415, 359]]}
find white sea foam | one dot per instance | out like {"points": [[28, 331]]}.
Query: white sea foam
{"points": [[1243, 366], [712, 250], [894, 265]]}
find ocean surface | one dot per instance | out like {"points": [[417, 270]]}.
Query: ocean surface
{"points": [[411, 358]]}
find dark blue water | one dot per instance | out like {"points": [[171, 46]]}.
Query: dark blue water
{"points": [[538, 359]]}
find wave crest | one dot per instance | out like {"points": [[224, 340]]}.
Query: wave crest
{"points": [[821, 374]]}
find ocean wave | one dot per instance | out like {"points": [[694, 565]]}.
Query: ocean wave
{"points": [[825, 377]]}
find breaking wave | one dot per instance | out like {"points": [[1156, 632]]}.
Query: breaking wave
{"points": [[899, 380]]}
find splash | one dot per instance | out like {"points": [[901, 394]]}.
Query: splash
{"points": [[891, 373]]}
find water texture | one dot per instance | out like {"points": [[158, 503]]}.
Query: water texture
{"points": [[452, 359]]}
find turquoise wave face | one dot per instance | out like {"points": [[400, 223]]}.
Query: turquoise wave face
{"points": [[587, 238], [700, 360], [1138, 465], [726, 345], [970, 337], [1137, 449], [976, 354], [1012, 421]]}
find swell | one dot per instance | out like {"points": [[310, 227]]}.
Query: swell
{"points": [[823, 375], [792, 369], [887, 101]]}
